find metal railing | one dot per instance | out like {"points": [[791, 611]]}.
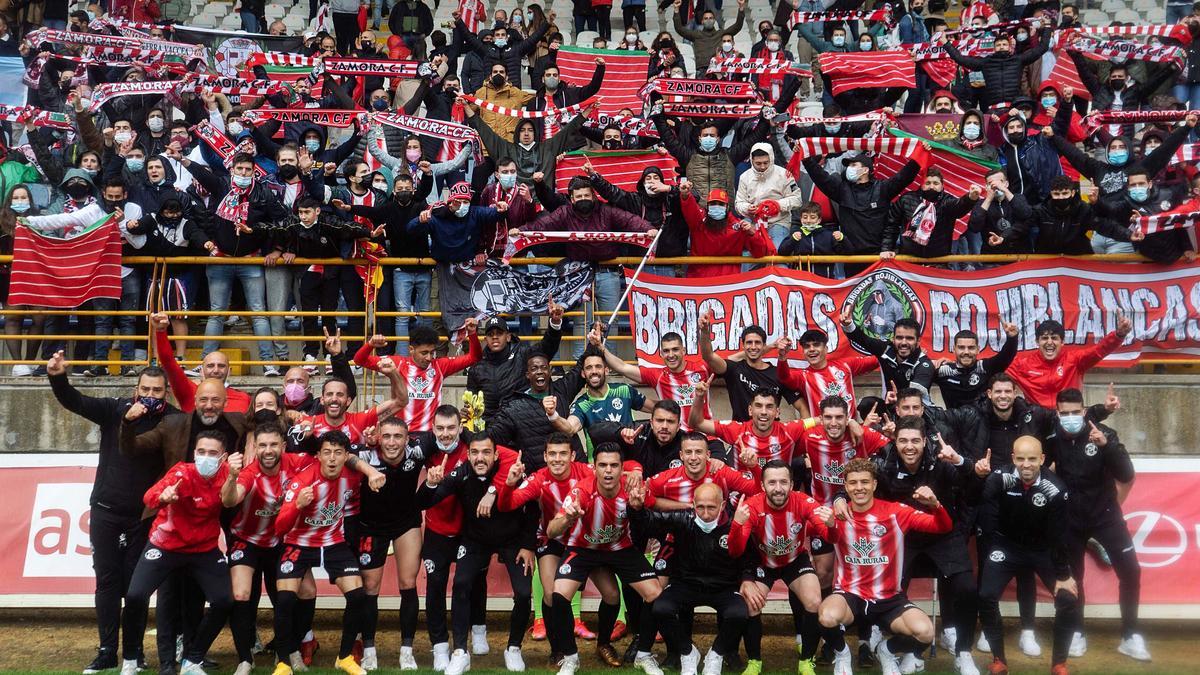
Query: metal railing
{"points": [[158, 267]]}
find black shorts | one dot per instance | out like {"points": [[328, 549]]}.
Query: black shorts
{"points": [[787, 574], [629, 565], [338, 560], [351, 530], [373, 546], [881, 612], [242, 552], [819, 546], [552, 547]]}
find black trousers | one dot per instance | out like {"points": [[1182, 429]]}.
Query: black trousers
{"points": [[1003, 562], [440, 552], [320, 291], [209, 569], [178, 612], [471, 568], [1113, 535], [345, 24], [680, 599], [634, 16], [117, 543]]}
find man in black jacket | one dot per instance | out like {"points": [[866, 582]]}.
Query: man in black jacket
{"points": [[119, 524], [1001, 69], [554, 93], [500, 50], [999, 212], [509, 535], [522, 422], [1143, 198], [903, 363], [655, 447], [921, 222], [501, 372], [964, 379], [657, 202], [707, 576], [1062, 221]]}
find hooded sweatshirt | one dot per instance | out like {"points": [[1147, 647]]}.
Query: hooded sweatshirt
{"points": [[775, 183], [662, 211]]}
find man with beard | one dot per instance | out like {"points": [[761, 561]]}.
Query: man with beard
{"points": [[501, 371], [1043, 373], [256, 484], [391, 518], [902, 468], [656, 448], [119, 524], [964, 380], [215, 366], [870, 545], [595, 519], [335, 400], [550, 486], [1097, 472], [296, 380], [599, 402], [1023, 518], [674, 489], [764, 435], [903, 363], [522, 421], [508, 535], [1001, 70], [173, 437], [821, 378], [706, 576], [779, 521], [743, 377]]}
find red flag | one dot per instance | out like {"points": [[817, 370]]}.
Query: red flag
{"points": [[624, 75], [1064, 74], [65, 273], [622, 168], [940, 70], [869, 70]]}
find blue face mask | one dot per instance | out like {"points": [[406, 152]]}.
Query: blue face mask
{"points": [[207, 466], [717, 212], [970, 131], [508, 180], [853, 173], [1118, 157], [19, 207], [379, 104], [1072, 424], [242, 181], [708, 143], [500, 42], [838, 40], [833, 128], [135, 164], [312, 144], [153, 405], [462, 211], [1139, 194], [1049, 101]]}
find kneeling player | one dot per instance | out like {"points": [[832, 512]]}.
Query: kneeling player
{"points": [[870, 560]]}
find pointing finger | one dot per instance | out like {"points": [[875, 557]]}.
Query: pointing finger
{"points": [[1111, 392], [988, 456]]}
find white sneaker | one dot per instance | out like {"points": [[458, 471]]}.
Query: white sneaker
{"points": [[965, 665], [1134, 647], [713, 662], [441, 656], [841, 662], [22, 371], [370, 659], [479, 643], [270, 371], [688, 663], [297, 662], [569, 665], [887, 660], [244, 668], [189, 668], [407, 660], [513, 661], [949, 639], [460, 662], [1078, 646], [1029, 644], [875, 639], [309, 358], [909, 664], [982, 644], [328, 364], [129, 667], [647, 664]]}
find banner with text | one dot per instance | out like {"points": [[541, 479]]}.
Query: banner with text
{"points": [[1086, 297]]}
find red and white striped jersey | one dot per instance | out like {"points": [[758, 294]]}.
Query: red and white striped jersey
{"points": [[828, 458], [779, 535], [870, 546], [677, 485], [548, 490], [353, 424], [604, 525], [835, 379], [424, 384], [782, 442], [255, 519], [679, 387], [320, 523]]}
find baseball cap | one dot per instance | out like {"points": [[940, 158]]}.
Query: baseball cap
{"points": [[718, 195], [495, 323]]}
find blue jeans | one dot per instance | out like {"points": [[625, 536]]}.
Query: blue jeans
{"points": [[1188, 94], [1103, 244], [412, 295], [1176, 11], [131, 296], [583, 23], [220, 288], [250, 23], [377, 12], [777, 232], [278, 279]]}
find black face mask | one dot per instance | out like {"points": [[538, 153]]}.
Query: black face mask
{"points": [[265, 416], [171, 222], [583, 206], [611, 144], [78, 191], [931, 195], [1061, 203], [1116, 85], [111, 205], [497, 81], [1017, 138], [288, 172], [404, 196]]}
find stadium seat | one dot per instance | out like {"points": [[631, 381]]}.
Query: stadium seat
{"points": [[1156, 15], [205, 21], [1145, 6], [689, 56], [273, 12], [647, 37], [1095, 17], [584, 39], [1112, 6], [1128, 16]]}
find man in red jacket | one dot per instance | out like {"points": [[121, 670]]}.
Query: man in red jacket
{"points": [[184, 536], [1053, 367], [716, 230]]}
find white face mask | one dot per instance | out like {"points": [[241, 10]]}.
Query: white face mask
{"points": [[155, 124], [631, 38], [705, 526], [122, 137], [207, 466], [234, 128], [773, 46], [446, 448]]}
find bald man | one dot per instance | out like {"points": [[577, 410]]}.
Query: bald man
{"points": [[174, 436], [706, 576], [215, 366]]}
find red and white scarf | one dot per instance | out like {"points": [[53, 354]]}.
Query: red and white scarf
{"points": [[757, 66], [669, 86], [71, 38], [632, 126], [883, 14], [423, 126], [220, 144], [372, 67], [318, 116], [722, 110], [103, 93], [1109, 49], [1177, 31], [1100, 118], [526, 239], [281, 59], [235, 205], [41, 118], [877, 116], [920, 225], [569, 111], [233, 86], [1186, 215]]}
